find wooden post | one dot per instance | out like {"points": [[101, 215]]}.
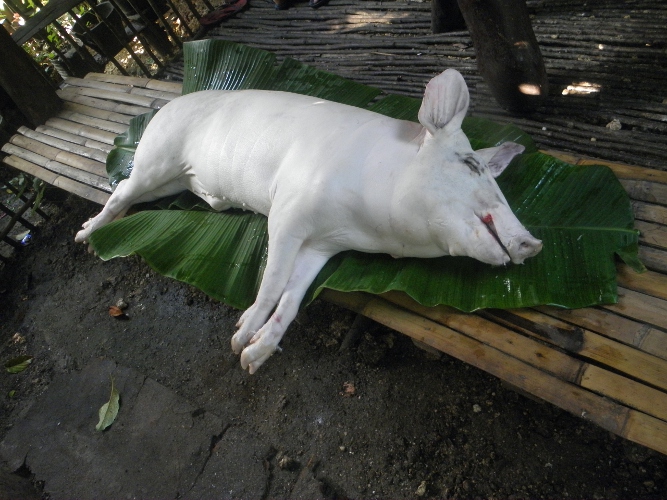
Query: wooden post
{"points": [[32, 93]]}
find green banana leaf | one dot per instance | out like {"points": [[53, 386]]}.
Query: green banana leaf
{"points": [[581, 213]]}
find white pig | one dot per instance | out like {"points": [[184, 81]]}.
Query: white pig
{"points": [[330, 177]]}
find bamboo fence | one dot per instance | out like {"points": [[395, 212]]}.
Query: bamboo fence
{"points": [[605, 364]]}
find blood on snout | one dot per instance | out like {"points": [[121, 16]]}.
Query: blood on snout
{"points": [[487, 219]]}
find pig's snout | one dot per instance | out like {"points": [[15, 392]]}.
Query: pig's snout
{"points": [[523, 247]]}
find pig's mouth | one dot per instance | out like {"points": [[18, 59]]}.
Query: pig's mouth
{"points": [[488, 222]]}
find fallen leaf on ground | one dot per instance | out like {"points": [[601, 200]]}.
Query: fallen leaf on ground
{"points": [[109, 410], [17, 365]]}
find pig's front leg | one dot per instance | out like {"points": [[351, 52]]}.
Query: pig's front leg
{"points": [[264, 343]]}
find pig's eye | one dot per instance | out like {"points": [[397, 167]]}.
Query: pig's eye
{"points": [[473, 164]]}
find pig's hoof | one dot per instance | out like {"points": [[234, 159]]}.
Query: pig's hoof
{"points": [[254, 355], [240, 339], [81, 236]]}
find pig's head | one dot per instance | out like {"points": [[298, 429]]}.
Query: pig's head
{"points": [[467, 213]]}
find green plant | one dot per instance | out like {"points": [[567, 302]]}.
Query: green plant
{"points": [[23, 183]]}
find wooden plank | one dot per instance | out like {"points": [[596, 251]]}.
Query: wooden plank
{"points": [[54, 179], [644, 429], [64, 145], [631, 332], [73, 138], [116, 128], [82, 130], [102, 114], [70, 95]]}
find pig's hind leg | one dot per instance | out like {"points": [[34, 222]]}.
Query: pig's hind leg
{"points": [[264, 343]]}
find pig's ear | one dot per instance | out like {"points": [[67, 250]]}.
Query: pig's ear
{"points": [[499, 157], [445, 102]]}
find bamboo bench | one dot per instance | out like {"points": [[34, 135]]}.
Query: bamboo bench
{"points": [[605, 364]]}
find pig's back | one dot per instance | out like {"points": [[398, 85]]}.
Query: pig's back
{"points": [[234, 145]]}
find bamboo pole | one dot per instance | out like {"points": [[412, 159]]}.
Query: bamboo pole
{"points": [[652, 234], [82, 130], [631, 332], [97, 84], [653, 258], [109, 126], [78, 149], [54, 179], [137, 100], [70, 95], [102, 114], [649, 212], [76, 139], [641, 307], [155, 93], [68, 169], [52, 153], [134, 81], [650, 282]]}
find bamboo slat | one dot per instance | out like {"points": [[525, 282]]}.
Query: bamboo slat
{"points": [[65, 157], [640, 306], [631, 332], [102, 114], [592, 377], [116, 128], [63, 145], [173, 87], [75, 139], [69, 185], [70, 95], [65, 170], [138, 100], [97, 84], [650, 282], [588, 345], [156, 93], [82, 130], [653, 258], [649, 212], [652, 234], [123, 88]]}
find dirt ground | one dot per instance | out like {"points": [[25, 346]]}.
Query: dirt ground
{"points": [[384, 419]]}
